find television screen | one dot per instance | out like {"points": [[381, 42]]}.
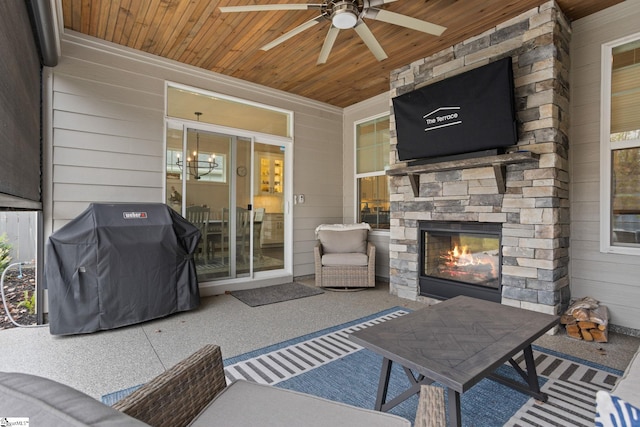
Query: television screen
{"points": [[469, 112]]}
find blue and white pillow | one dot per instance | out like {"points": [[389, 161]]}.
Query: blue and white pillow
{"points": [[611, 411]]}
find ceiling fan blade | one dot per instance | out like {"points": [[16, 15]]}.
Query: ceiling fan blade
{"points": [[328, 44], [268, 7], [286, 36], [375, 3], [404, 21], [370, 40]]}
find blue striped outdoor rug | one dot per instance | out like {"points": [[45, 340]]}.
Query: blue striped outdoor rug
{"points": [[329, 365]]}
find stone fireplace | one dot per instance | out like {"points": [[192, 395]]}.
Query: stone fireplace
{"points": [[523, 194], [459, 258]]}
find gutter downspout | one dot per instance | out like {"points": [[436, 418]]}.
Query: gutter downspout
{"points": [[45, 30], [46, 35]]}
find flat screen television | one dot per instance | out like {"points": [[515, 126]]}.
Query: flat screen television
{"points": [[470, 112]]}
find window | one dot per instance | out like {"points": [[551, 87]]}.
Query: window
{"points": [[372, 159], [221, 110], [620, 142]]}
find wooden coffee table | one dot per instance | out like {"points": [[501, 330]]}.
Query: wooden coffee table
{"points": [[457, 343]]}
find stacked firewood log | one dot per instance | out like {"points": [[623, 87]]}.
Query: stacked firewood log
{"points": [[586, 319]]}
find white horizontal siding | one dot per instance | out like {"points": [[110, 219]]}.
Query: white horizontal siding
{"points": [[588, 152], [381, 240], [586, 192], [612, 279], [105, 108], [105, 193], [86, 94], [80, 63], [116, 162], [66, 138], [107, 135], [65, 211], [618, 304], [584, 231], [81, 122], [107, 139], [97, 176], [317, 175]]}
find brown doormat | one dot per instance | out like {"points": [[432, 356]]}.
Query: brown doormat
{"points": [[277, 293]]}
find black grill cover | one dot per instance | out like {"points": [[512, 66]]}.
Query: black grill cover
{"points": [[119, 264]]}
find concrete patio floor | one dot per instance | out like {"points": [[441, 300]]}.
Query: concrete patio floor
{"points": [[108, 361]]}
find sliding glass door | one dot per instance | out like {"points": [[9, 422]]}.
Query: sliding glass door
{"points": [[227, 170], [269, 205], [232, 189]]}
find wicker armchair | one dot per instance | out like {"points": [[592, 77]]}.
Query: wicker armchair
{"points": [[179, 394], [344, 257], [431, 405]]}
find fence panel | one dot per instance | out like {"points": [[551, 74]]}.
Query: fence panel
{"points": [[20, 228]]}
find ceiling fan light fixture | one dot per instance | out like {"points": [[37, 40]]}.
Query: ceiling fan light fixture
{"points": [[345, 15]]}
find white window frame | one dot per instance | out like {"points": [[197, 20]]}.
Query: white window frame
{"points": [[357, 176], [607, 146]]}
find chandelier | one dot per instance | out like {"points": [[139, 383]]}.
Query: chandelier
{"points": [[195, 166]]}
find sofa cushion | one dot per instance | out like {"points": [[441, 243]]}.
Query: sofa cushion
{"points": [[49, 403], [249, 404], [611, 411], [627, 387], [345, 241], [355, 259]]}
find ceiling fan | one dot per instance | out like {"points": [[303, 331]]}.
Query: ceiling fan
{"points": [[343, 14]]}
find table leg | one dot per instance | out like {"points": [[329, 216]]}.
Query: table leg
{"points": [[383, 384], [530, 376], [383, 387], [453, 406]]}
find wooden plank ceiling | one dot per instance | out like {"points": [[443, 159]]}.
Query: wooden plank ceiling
{"points": [[196, 33]]}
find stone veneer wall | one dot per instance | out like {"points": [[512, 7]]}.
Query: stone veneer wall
{"points": [[534, 210]]}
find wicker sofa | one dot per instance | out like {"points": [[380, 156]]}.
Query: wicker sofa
{"points": [[194, 392], [344, 257]]}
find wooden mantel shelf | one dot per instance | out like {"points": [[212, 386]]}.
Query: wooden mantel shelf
{"points": [[498, 162]]}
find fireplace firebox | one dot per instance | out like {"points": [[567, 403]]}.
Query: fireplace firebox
{"points": [[460, 258]]}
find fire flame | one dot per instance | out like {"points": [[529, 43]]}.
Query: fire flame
{"points": [[461, 257]]}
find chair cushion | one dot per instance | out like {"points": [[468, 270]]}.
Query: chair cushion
{"points": [[358, 226], [49, 403], [627, 387], [611, 411], [344, 241], [249, 404], [356, 259]]}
